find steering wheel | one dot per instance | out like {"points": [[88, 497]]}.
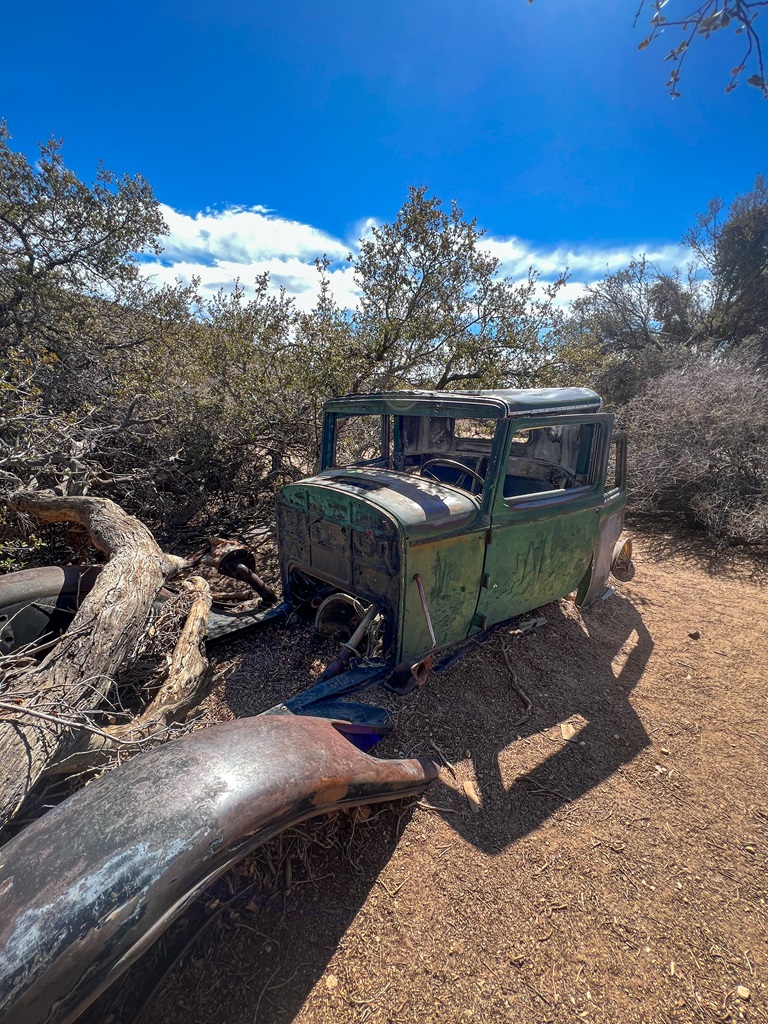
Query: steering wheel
{"points": [[453, 464]]}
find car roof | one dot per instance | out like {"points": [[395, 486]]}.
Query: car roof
{"points": [[498, 404]]}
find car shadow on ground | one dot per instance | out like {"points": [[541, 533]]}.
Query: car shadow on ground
{"points": [[578, 671]]}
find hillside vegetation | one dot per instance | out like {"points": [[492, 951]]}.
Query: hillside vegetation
{"points": [[191, 409]]}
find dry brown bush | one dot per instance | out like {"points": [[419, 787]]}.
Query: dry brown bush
{"points": [[699, 446]]}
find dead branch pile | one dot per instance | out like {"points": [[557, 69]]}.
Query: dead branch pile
{"points": [[116, 681]]}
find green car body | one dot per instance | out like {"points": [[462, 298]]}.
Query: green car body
{"points": [[489, 503]]}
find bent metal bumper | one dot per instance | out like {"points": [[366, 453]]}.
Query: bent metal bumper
{"points": [[88, 887]]}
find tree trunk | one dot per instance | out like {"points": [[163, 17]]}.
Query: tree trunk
{"points": [[78, 672]]}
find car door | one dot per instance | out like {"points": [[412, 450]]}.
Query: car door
{"points": [[546, 513]]}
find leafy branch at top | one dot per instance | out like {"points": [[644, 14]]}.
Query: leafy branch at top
{"points": [[709, 17]]}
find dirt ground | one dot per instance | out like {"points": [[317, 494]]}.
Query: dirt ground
{"points": [[615, 872]]}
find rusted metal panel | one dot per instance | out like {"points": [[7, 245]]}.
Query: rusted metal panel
{"points": [[37, 605], [451, 571], [87, 888], [537, 555], [611, 523]]}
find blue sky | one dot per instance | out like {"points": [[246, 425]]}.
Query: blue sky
{"points": [[543, 120]]}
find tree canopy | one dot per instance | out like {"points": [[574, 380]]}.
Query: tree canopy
{"points": [[183, 405], [434, 310]]}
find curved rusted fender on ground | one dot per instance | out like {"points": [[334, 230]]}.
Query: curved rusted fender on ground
{"points": [[88, 887]]}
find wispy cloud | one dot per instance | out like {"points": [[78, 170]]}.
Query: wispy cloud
{"points": [[236, 243], [584, 263]]}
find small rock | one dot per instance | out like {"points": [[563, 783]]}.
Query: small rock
{"points": [[749, 848], [665, 750], [743, 992], [616, 736], [695, 634], [567, 731], [331, 981]]}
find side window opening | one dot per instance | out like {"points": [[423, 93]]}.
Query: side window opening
{"points": [[550, 460], [362, 441], [616, 473]]}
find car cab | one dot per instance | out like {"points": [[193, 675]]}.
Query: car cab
{"points": [[453, 511]]}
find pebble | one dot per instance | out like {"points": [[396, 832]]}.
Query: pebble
{"points": [[331, 981], [743, 992]]}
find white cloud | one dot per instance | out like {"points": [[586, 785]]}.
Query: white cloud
{"points": [[585, 263], [222, 246], [244, 236], [237, 243]]}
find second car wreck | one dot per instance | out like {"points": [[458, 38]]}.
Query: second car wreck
{"points": [[432, 519]]}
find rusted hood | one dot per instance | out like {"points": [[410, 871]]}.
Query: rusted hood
{"points": [[418, 505], [85, 889]]}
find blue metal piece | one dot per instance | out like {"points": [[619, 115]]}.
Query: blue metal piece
{"points": [[368, 723], [351, 711], [354, 680]]}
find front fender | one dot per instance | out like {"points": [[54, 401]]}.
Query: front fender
{"points": [[88, 887]]}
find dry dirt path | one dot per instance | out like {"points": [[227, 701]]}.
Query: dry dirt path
{"points": [[615, 876]]}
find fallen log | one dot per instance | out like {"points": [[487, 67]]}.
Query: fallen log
{"points": [[75, 676]]}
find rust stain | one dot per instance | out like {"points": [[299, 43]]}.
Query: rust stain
{"points": [[330, 793]]}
